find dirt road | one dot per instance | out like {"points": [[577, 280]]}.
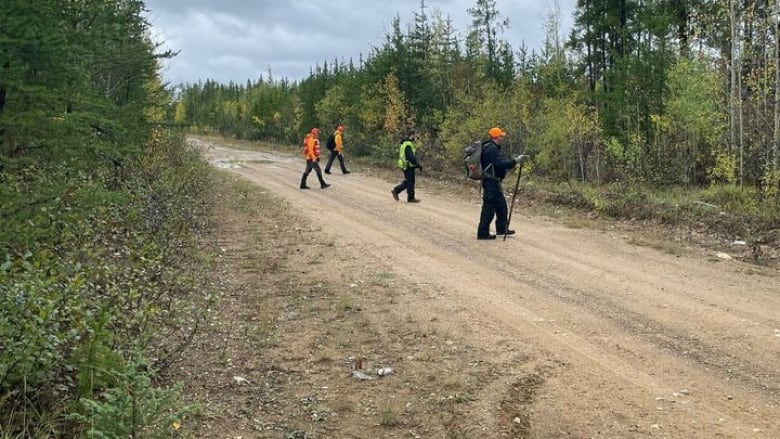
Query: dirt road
{"points": [[631, 341]]}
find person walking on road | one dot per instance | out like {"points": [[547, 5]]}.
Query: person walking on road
{"points": [[407, 161], [335, 145], [494, 166], [311, 151]]}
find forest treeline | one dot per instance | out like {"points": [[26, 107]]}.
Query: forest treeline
{"points": [[101, 283], [654, 92]]}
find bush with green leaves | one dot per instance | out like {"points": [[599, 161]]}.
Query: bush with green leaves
{"points": [[93, 280], [134, 406]]}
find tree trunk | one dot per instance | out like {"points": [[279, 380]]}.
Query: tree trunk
{"points": [[623, 23], [734, 95], [776, 134], [683, 17], [6, 142], [732, 80], [598, 163], [589, 46]]}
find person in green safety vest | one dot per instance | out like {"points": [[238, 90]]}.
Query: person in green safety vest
{"points": [[407, 161]]}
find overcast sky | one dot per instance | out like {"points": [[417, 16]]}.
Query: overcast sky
{"points": [[242, 39]]}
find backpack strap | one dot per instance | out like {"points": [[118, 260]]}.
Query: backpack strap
{"points": [[488, 172]]}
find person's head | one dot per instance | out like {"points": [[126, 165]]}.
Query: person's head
{"points": [[496, 134], [411, 134], [315, 132], [340, 128]]}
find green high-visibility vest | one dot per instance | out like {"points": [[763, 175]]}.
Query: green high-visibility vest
{"points": [[402, 163]]}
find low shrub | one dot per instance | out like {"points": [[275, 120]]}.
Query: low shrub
{"points": [[101, 285]]}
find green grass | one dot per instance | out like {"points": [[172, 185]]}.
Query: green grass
{"points": [[388, 417], [345, 304], [666, 247], [575, 223], [725, 210]]}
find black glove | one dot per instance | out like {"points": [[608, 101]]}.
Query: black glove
{"points": [[419, 167]]}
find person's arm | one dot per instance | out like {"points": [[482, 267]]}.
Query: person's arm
{"points": [[504, 163], [499, 160], [410, 157], [339, 142]]}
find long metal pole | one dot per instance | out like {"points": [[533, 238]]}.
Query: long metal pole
{"points": [[514, 195]]}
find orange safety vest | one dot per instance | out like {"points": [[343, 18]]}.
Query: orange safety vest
{"points": [[311, 147]]}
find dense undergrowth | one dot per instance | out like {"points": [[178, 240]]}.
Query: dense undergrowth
{"points": [[102, 283], [727, 211]]}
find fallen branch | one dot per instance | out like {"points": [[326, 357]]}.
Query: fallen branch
{"points": [[707, 204]]}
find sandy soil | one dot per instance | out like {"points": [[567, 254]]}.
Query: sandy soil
{"points": [[556, 332]]}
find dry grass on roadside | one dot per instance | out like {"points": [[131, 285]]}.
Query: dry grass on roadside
{"points": [[294, 322]]}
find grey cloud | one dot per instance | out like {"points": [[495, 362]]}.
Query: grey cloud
{"points": [[239, 40]]}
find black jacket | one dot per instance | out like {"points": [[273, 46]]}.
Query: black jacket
{"points": [[409, 154], [494, 163]]}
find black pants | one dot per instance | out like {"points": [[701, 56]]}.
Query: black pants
{"points": [[493, 204], [408, 184], [312, 164], [333, 155]]}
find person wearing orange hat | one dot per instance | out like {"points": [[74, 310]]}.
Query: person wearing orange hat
{"points": [[335, 145], [311, 151], [494, 165]]}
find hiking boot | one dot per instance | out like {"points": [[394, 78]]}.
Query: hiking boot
{"points": [[346, 172], [488, 236], [305, 187], [395, 194], [325, 186], [413, 200], [508, 232], [327, 171]]}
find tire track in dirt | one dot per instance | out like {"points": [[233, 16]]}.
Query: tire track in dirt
{"points": [[659, 329], [597, 314], [659, 333]]}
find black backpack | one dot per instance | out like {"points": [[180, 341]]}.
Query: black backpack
{"points": [[331, 143]]}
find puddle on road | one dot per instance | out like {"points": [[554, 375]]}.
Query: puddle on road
{"points": [[236, 164], [222, 164]]}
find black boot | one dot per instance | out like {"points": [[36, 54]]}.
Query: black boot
{"points": [[323, 185], [303, 182]]}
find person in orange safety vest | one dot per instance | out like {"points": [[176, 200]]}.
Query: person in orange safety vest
{"points": [[311, 151], [335, 145]]}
